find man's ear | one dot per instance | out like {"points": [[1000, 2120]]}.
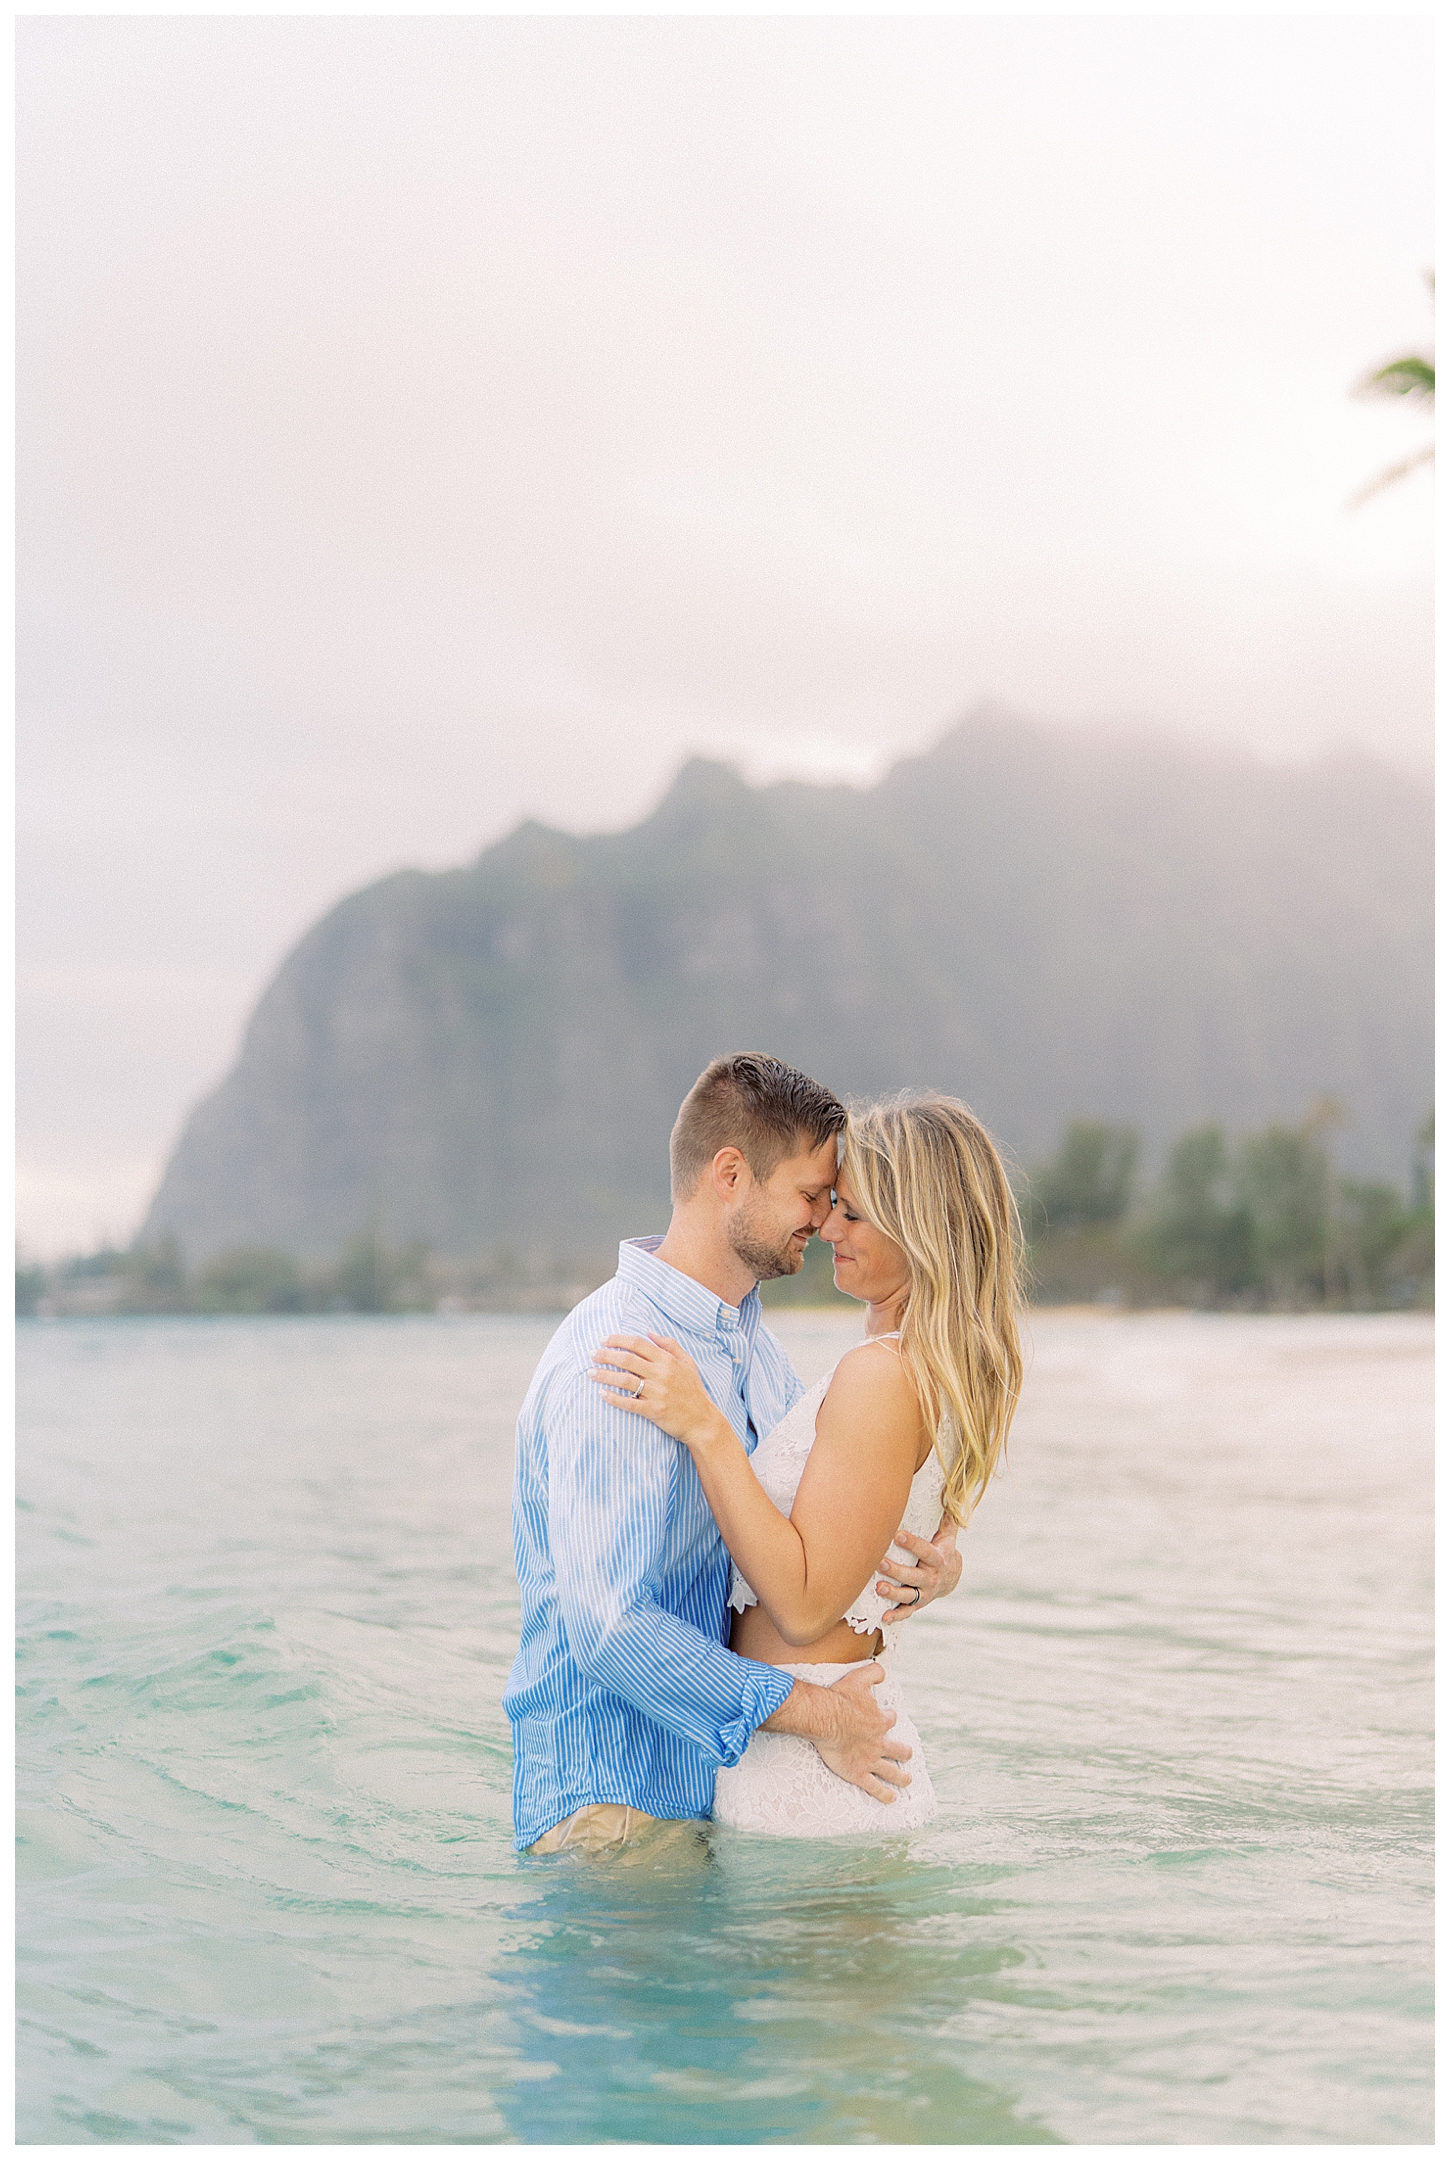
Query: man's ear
{"points": [[729, 1174]]}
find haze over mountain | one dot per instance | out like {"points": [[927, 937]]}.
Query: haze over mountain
{"points": [[1051, 923]]}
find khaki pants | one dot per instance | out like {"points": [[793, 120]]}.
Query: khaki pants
{"points": [[607, 1830]]}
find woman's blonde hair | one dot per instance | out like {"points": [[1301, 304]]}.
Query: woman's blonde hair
{"points": [[925, 1172]]}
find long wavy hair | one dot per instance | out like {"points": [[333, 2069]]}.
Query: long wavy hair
{"points": [[924, 1171]]}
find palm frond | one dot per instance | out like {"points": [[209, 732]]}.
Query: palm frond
{"points": [[1412, 376], [1391, 473]]}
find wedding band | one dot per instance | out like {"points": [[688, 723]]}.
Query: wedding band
{"points": [[916, 1599], [640, 1390]]}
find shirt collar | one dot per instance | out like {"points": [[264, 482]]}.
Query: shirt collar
{"points": [[682, 1300]]}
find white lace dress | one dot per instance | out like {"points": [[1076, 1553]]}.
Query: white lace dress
{"points": [[780, 1784]]}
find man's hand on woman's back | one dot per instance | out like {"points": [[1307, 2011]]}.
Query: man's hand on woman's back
{"points": [[849, 1730]]}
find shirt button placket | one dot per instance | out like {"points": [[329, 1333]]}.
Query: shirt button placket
{"points": [[737, 1345]]}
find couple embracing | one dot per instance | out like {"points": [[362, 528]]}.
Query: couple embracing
{"points": [[707, 1618]]}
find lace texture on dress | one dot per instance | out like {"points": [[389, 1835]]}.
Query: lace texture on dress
{"points": [[779, 1462]]}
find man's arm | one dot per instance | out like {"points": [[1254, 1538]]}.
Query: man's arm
{"points": [[611, 1481]]}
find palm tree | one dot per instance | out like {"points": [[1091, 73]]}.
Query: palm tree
{"points": [[1412, 376]]}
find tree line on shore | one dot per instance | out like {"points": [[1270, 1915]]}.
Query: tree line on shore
{"points": [[1257, 1220], [1254, 1221], [151, 1276]]}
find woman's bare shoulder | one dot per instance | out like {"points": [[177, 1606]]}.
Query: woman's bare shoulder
{"points": [[872, 1380]]}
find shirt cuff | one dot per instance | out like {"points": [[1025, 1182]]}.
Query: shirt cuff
{"points": [[765, 1691]]}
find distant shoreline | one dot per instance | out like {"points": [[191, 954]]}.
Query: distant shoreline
{"points": [[1103, 1311]]}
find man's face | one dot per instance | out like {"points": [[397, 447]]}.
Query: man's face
{"points": [[774, 1219]]}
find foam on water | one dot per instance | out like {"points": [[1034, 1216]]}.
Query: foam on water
{"points": [[1178, 1719]]}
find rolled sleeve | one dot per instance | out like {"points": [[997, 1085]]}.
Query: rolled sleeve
{"points": [[612, 1478], [763, 1697]]}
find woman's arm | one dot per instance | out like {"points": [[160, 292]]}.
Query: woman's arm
{"points": [[805, 1570]]}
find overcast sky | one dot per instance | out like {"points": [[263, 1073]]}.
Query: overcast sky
{"points": [[429, 422]]}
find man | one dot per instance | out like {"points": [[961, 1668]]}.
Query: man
{"points": [[623, 1697]]}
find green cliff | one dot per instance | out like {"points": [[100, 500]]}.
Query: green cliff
{"points": [[1053, 923]]}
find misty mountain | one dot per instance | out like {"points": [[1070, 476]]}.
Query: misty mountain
{"points": [[1052, 923]]}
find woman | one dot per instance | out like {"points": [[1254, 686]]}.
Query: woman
{"points": [[904, 1429]]}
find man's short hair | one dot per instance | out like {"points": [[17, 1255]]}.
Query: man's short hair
{"points": [[755, 1103]]}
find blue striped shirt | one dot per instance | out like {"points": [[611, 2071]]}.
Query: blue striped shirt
{"points": [[622, 1688]]}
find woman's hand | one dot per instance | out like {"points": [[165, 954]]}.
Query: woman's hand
{"points": [[656, 1379], [937, 1573]]}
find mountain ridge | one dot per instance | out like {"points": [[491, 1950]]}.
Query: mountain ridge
{"points": [[1052, 922]]}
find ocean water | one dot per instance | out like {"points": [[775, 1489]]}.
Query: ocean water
{"points": [[1178, 1717]]}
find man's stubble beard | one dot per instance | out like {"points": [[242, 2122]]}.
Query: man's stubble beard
{"points": [[766, 1262]]}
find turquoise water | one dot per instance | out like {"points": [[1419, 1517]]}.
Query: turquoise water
{"points": [[1178, 1717]]}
